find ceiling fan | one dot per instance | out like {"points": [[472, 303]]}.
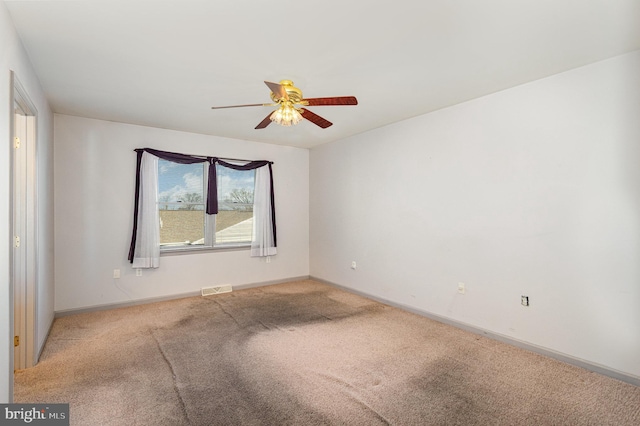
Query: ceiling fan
{"points": [[291, 103]]}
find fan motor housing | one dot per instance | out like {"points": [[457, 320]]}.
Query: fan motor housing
{"points": [[295, 94]]}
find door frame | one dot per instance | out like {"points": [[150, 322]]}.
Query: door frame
{"points": [[26, 302]]}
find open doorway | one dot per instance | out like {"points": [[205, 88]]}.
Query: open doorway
{"points": [[23, 226]]}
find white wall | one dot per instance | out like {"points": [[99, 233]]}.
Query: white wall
{"points": [[531, 191], [94, 194], [13, 57]]}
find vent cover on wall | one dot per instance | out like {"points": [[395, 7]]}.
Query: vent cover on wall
{"points": [[208, 291]]}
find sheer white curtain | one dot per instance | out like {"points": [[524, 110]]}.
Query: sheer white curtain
{"points": [[262, 241], [147, 249]]}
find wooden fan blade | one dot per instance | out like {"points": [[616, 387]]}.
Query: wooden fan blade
{"points": [[338, 100], [315, 118], [241, 106], [264, 123], [277, 90]]}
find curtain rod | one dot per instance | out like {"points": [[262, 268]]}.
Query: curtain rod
{"points": [[212, 156], [236, 159]]}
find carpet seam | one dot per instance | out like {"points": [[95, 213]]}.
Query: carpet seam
{"points": [[183, 407], [228, 314]]}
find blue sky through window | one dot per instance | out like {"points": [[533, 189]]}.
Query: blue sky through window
{"points": [[229, 179], [175, 180]]}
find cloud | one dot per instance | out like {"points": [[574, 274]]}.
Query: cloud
{"points": [[229, 179], [173, 194], [165, 166], [191, 182]]}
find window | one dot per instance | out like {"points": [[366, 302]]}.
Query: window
{"points": [[234, 221], [181, 195], [186, 201], [181, 206]]}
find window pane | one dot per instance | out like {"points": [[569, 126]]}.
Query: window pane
{"points": [[180, 227], [180, 182], [181, 203], [234, 222]]}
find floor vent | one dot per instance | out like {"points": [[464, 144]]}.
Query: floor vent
{"points": [[208, 291]]}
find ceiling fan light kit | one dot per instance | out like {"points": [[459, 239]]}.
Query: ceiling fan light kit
{"points": [[286, 97], [287, 115]]}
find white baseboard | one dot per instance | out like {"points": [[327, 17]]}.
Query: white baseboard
{"points": [[596, 368], [107, 306]]}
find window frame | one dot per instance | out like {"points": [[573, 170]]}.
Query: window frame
{"points": [[144, 249], [209, 225]]}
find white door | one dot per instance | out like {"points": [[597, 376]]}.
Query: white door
{"points": [[23, 266]]}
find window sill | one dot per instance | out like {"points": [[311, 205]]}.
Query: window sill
{"points": [[180, 250]]}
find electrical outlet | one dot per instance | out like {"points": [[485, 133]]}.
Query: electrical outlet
{"points": [[138, 272], [461, 288], [524, 300], [353, 265], [116, 273]]}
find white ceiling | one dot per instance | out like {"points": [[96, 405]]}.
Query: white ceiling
{"points": [[165, 63]]}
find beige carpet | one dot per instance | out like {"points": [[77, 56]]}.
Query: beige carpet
{"points": [[305, 353]]}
